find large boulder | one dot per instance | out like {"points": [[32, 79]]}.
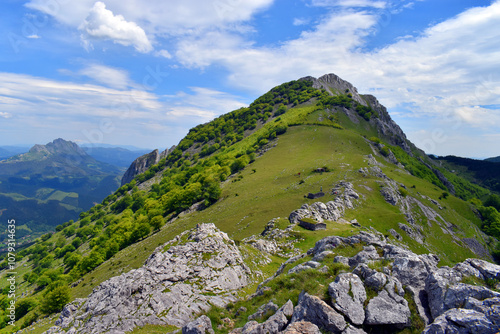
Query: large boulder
{"points": [[201, 325], [389, 307], [312, 309], [461, 321], [436, 285], [348, 295]]}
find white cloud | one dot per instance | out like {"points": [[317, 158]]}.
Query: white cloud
{"points": [[300, 21], [34, 36], [26, 95], [41, 110], [350, 3], [164, 54], [170, 17], [102, 24], [112, 77]]}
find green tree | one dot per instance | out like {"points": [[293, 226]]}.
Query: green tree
{"points": [[71, 259], [494, 201], [23, 306], [55, 300], [140, 231], [90, 261], [156, 222], [239, 164]]}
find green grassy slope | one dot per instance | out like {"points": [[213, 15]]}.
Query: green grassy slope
{"points": [[271, 186]]}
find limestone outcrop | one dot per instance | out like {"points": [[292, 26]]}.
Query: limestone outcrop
{"points": [[199, 268]]}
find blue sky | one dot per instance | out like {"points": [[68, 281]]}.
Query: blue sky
{"points": [[142, 73]]}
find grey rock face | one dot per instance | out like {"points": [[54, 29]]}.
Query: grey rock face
{"points": [[389, 307], [201, 325], [489, 270], [348, 295], [456, 295], [461, 321], [376, 281], [369, 253], [353, 330], [313, 309], [391, 196], [140, 165], [176, 282], [436, 285]]}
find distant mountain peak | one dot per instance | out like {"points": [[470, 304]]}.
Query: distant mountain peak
{"points": [[57, 146]]}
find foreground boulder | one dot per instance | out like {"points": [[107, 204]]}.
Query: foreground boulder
{"points": [[348, 295], [201, 325], [312, 309], [179, 280]]}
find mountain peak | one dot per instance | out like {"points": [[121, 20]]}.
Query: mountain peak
{"points": [[335, 85], [56, 147]]}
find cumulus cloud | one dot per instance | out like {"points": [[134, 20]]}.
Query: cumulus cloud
{"points": [[170, 17], [102, 24]]}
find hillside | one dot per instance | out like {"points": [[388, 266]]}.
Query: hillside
{"points": [[51, 184], [483, 172], [248, 173]]}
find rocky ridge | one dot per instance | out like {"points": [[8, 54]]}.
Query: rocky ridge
{"points": [[186, 276]]}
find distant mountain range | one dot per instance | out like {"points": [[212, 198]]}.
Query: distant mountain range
{"points": [[53, 183], [495, 159], [9, 151]]}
